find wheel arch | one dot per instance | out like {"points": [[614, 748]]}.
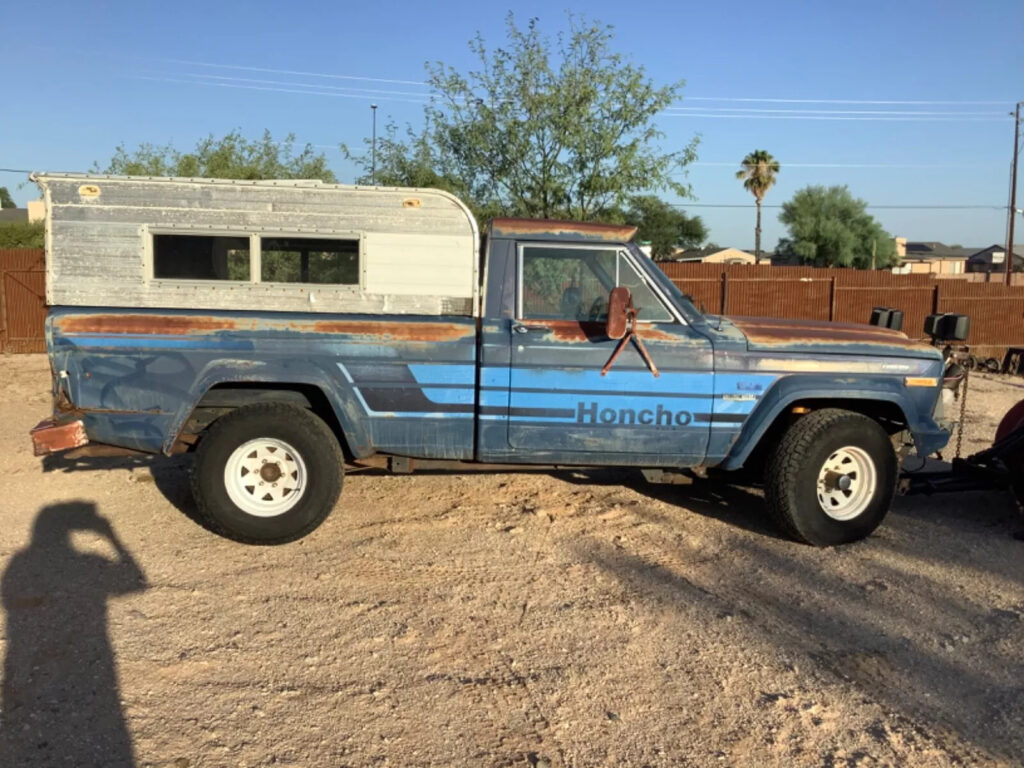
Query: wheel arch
{"points": [[220, 396], [766, 425]]}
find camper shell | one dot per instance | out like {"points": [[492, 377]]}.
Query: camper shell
{"points": [[118, 241]]}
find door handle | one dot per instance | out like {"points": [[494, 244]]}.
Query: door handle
{"points": [[519, 328]]}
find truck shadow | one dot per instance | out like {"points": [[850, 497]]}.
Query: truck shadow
{"points": [[61, 696]]}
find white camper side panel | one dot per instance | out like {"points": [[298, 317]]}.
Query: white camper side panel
{"points": [[410, 265], [418, 247]]}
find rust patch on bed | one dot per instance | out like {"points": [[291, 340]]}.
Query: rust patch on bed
{"points": [[176, 325], [396, 331]]}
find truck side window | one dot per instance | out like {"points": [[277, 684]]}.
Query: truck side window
{"points": [[309, 260], [200, 257], [566, 283], [649, 308]]}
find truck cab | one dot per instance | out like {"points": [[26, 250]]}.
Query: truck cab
{"points": [[278, 329]]}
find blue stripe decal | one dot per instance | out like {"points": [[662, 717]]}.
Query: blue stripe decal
{"points": [[446, 373]]}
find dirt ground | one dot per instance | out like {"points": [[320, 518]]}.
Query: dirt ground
{"points": [[536, 619]]}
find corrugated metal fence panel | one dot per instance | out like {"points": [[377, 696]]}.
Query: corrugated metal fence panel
{"points": [[22, 258], [855, 302], [800, 298], [996, 311], [22, 300], [701, 282]]}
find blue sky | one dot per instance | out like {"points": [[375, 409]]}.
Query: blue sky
{"points": [[82, 77]]}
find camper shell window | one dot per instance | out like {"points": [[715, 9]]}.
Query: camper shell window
{"points": [[201, 257], [309, 260]]}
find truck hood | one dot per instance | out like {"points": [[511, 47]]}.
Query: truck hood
{"points": [[814, 337]]}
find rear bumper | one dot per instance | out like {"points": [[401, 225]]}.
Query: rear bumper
{"points": [[51, 436]]}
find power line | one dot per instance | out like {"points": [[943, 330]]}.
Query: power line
{"points": [[289, 72], [277, 90], [754, 110], [839, 117], [844, 101], [734, 99], [14, 170], [200, 78], [857, 165], [404, 96], [887, 207]]}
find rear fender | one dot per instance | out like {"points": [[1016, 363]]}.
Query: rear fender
{"points": [[342, 398]]}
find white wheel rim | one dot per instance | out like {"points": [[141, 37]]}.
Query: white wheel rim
{"points": [[265, 477], [846, 483]]}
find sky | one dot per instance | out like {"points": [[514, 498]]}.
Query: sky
{"points": [[904, 102]]}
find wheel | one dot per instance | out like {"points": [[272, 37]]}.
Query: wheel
{"points": [[267, 474], [831, 478]]}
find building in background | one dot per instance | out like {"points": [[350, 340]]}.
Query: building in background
{"points": [[931, 258], [714, 254], [34, 211], [993, 260]]}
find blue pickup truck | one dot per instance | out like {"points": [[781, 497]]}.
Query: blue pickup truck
{"points": [[278, 329]]}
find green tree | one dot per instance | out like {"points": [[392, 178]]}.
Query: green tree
{"points": [[6, 201], [539, 129], [829, 227], [21, 234], [229, 157], [758, 174], [665, 226]]}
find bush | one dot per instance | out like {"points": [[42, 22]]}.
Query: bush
{"points": [[21, 234]]}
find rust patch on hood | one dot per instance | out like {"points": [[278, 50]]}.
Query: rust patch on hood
{"points": [[618, 233], [773, 332]]}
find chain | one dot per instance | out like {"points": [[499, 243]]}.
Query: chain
{"points": [[963, 411]]}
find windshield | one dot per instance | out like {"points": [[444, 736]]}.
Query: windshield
{"points": [[680, 299]]}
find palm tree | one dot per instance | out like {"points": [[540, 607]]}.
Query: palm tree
{"points": [[758, 174]]}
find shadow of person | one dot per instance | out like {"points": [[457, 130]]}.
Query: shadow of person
{"points": [[61, 703]]}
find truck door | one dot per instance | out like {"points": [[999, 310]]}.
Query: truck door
{"points": [[561, 407]]}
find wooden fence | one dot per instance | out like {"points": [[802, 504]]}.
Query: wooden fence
{"points": [[22, 300], [848, 295]]}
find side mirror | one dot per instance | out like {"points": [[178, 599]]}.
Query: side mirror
{"points": [[619, 302]]}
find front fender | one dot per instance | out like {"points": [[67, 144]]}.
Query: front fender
{"points": [[915, 404]]}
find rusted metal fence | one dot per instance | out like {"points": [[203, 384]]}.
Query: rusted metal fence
{"points": [[22, 300], [848, 295]]}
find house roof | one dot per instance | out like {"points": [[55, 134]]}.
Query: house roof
{"points": [[926, 250], [982, 253], [13, 214]]}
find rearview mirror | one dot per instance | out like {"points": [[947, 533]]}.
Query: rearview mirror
{"points": [[619, 302]]}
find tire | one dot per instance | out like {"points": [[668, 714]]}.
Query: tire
{"points": [[804, 477], [295, 463]]}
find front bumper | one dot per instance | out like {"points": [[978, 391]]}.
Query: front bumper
{"points": [[51, 436]]}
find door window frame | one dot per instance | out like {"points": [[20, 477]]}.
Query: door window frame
{"points": [[617, 250]]}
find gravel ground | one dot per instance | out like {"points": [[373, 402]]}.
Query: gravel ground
{"points": [[536, 619]]}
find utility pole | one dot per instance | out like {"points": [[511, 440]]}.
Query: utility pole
{"points": [[1013, 194], [373, 148]]}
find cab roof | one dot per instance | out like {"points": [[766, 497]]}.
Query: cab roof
{"points": [[551, 229]]}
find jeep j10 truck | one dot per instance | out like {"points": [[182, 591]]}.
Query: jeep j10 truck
{"points": [[278, 328]]}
